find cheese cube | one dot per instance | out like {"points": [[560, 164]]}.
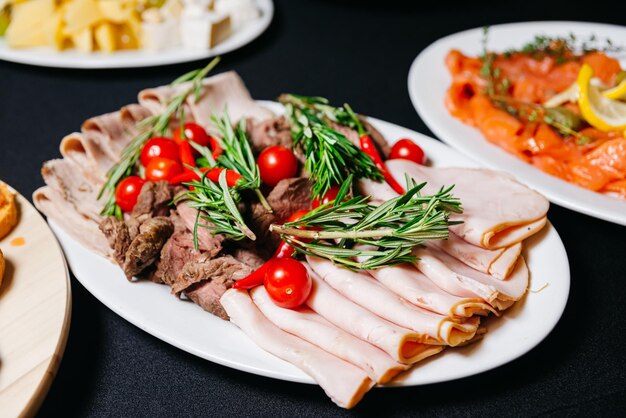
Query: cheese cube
{"points": [[81, 14], [157, 36], [83, 40], [105, 37]]}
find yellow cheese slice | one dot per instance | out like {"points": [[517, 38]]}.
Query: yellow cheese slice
{"points": [[25, 29], [105, 37], [83, 40]]}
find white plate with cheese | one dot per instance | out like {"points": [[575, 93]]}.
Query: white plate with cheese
{"points": [[135, 58]]}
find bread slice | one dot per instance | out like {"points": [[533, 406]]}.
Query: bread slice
{"points": [[8, 210]]}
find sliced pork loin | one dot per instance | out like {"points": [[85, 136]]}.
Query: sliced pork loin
{"points": [[308, 325], [343, 382], [82, 228], [287, 197], [221, 91], [363, 290], [498, 211], [497, 262], [458, 279], [403, 345], [102, 139], [64, 176], [204, 280]]}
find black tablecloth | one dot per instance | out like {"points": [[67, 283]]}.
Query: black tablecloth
{"points": [[347, 51]]}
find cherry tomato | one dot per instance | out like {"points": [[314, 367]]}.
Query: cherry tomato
{"points": [[159, 147], [277, 163], [407, 150], [329, 196], [127, 192], [195, 133], [287, 282], [160, 168]]}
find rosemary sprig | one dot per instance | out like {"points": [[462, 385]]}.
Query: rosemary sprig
{"points": [[217, 208], [394, 228], [149, 127], [330, 157], [238, 155]]}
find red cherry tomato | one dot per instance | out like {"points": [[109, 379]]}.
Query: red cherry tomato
{"points": [[277, 163], [159, 147], [287, 282], [329, 196], [127, 191], [407, 150], [195, 133], [160, 168]]}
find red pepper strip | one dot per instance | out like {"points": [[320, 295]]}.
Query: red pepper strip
{"points": [[187, 176], [257, 277], [232, 177], [368, 147], [215, 148], [186, 156]]}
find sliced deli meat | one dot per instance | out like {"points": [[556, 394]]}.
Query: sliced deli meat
{"points": [[310, 326], [221, 91], [457, 278], [343, 382], [497, 262], [412, 285], [362, 289], [402, 344], [498, 211]]}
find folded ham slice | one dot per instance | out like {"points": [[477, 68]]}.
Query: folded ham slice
{"points": [[401, 344], [498, 262], [218, 92], [361, 289], [310, 326], [93, 162], [410, 284], [343, 382], [497, 210], [458, 279]]}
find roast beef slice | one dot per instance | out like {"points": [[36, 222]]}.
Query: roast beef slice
{"points": [[153, 199], [146, 246], [289, 196]]}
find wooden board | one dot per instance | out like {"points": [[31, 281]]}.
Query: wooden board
{"points": [[35, 304]]}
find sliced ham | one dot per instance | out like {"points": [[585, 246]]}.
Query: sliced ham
{"points": [[310, 326], [410, 284], [401, 344], [498, 211], [221, 91], [64, 214], [457, 278], [498, 262], [363, 290], [343, 382]]}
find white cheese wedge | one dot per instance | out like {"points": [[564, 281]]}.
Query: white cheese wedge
{"points": [[204, 31], [240, 11], [157, 36]]}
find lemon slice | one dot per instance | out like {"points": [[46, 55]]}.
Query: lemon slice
{"points": [[601, 112], [616, 93], [570, 94]]}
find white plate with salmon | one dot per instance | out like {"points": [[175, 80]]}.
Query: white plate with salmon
{"points": [[509, 96], [291, 240]]}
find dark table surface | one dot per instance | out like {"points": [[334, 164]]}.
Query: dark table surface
{"points": [[347, 51]]}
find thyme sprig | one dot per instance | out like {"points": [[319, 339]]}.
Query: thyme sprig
{"points": [[216, 206], [156, 125], [237, 154], [330, 157], [336, 230]]}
